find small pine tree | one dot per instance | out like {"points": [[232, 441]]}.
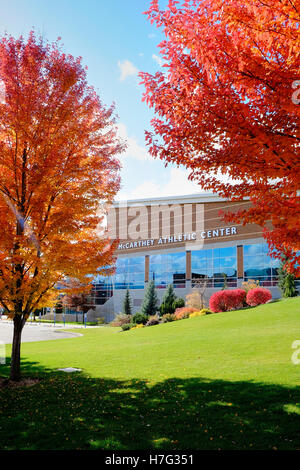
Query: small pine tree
{"points": [[225, 283], [127, 310], [167, 305], [150, 302], [286, 281]]}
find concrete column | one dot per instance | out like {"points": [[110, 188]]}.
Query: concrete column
{"points": [[188, 267], [188, 286], [240, 262], [147, 264]]}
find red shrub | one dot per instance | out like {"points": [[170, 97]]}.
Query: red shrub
{"points": [[183, 312], [258, 296], [225, 300], [240, 297]]}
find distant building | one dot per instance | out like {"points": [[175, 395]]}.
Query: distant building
{"points": [[181, 240]]}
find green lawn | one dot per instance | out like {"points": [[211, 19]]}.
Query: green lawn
{"points": [[224, 381]]}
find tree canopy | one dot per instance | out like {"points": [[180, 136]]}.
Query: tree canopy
{"points": [[226, 106], [58, 161]]}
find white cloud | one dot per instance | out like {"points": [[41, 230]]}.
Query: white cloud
{"points": [[158, 60], [127, 69], [151, 35], [178, 185], [134, 149]]}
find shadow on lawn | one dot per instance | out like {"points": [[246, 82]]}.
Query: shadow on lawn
{"points": [[72, 411]]}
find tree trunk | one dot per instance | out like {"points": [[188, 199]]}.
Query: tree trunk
{"points": [[15, 370]]}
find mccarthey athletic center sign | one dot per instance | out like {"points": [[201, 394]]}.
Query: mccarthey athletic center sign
{"points": [[187, 237]]}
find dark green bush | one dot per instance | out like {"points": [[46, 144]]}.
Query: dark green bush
{"points": [[127, 326], [140, 318], [178, 303]]}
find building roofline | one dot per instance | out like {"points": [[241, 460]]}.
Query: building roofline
{"points": [[187, 198]]}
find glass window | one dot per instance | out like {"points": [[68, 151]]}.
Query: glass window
{"points": [[102, 289], [169, 268], [258, 265], [215, 265], [130, 273]]}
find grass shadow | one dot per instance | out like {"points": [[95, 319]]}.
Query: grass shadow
{"points": [[72, 411]]}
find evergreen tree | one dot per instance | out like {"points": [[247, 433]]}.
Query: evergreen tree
{"points": [[225, 284], [167, 305], [127, 310], [286, 282], [150, 302]]}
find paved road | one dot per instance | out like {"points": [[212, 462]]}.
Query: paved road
{"points": [[33, 332]]}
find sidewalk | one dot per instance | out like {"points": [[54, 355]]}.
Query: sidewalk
{"points": [[51, 325], [34, 332]]}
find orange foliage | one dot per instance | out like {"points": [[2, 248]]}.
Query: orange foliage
{"points": [[58, 149], [227, 106], [183, 312]]}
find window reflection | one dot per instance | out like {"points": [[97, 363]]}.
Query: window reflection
{"points": [[214, 266], [102, 290], [165, 269], [130, 273], [258, 265]]}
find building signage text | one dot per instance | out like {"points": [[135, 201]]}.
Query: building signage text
{"points": [[205, 234]]}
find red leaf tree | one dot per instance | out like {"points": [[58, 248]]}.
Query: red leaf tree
{"points": [[227, 106], [58, 149]]}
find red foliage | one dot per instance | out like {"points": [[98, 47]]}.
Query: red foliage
{"points": [[258, 296], [225, 300], [227, 102]]}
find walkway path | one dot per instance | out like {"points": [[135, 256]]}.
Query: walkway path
{"points": [[35, 332]]}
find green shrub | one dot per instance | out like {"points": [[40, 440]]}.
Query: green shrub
{"points": [[286, 281], [140, 318], [100, 321], [178, 303], [128, 326]]}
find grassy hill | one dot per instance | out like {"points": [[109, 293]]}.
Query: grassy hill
{"points": [[223, 381]]}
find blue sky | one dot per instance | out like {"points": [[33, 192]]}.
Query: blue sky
{"points": [[115, 40]]}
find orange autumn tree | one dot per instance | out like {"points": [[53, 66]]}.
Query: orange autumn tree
{"points": [[227, 107], [58, 150]]}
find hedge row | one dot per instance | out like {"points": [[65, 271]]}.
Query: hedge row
{"points": [[226, 300]]}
